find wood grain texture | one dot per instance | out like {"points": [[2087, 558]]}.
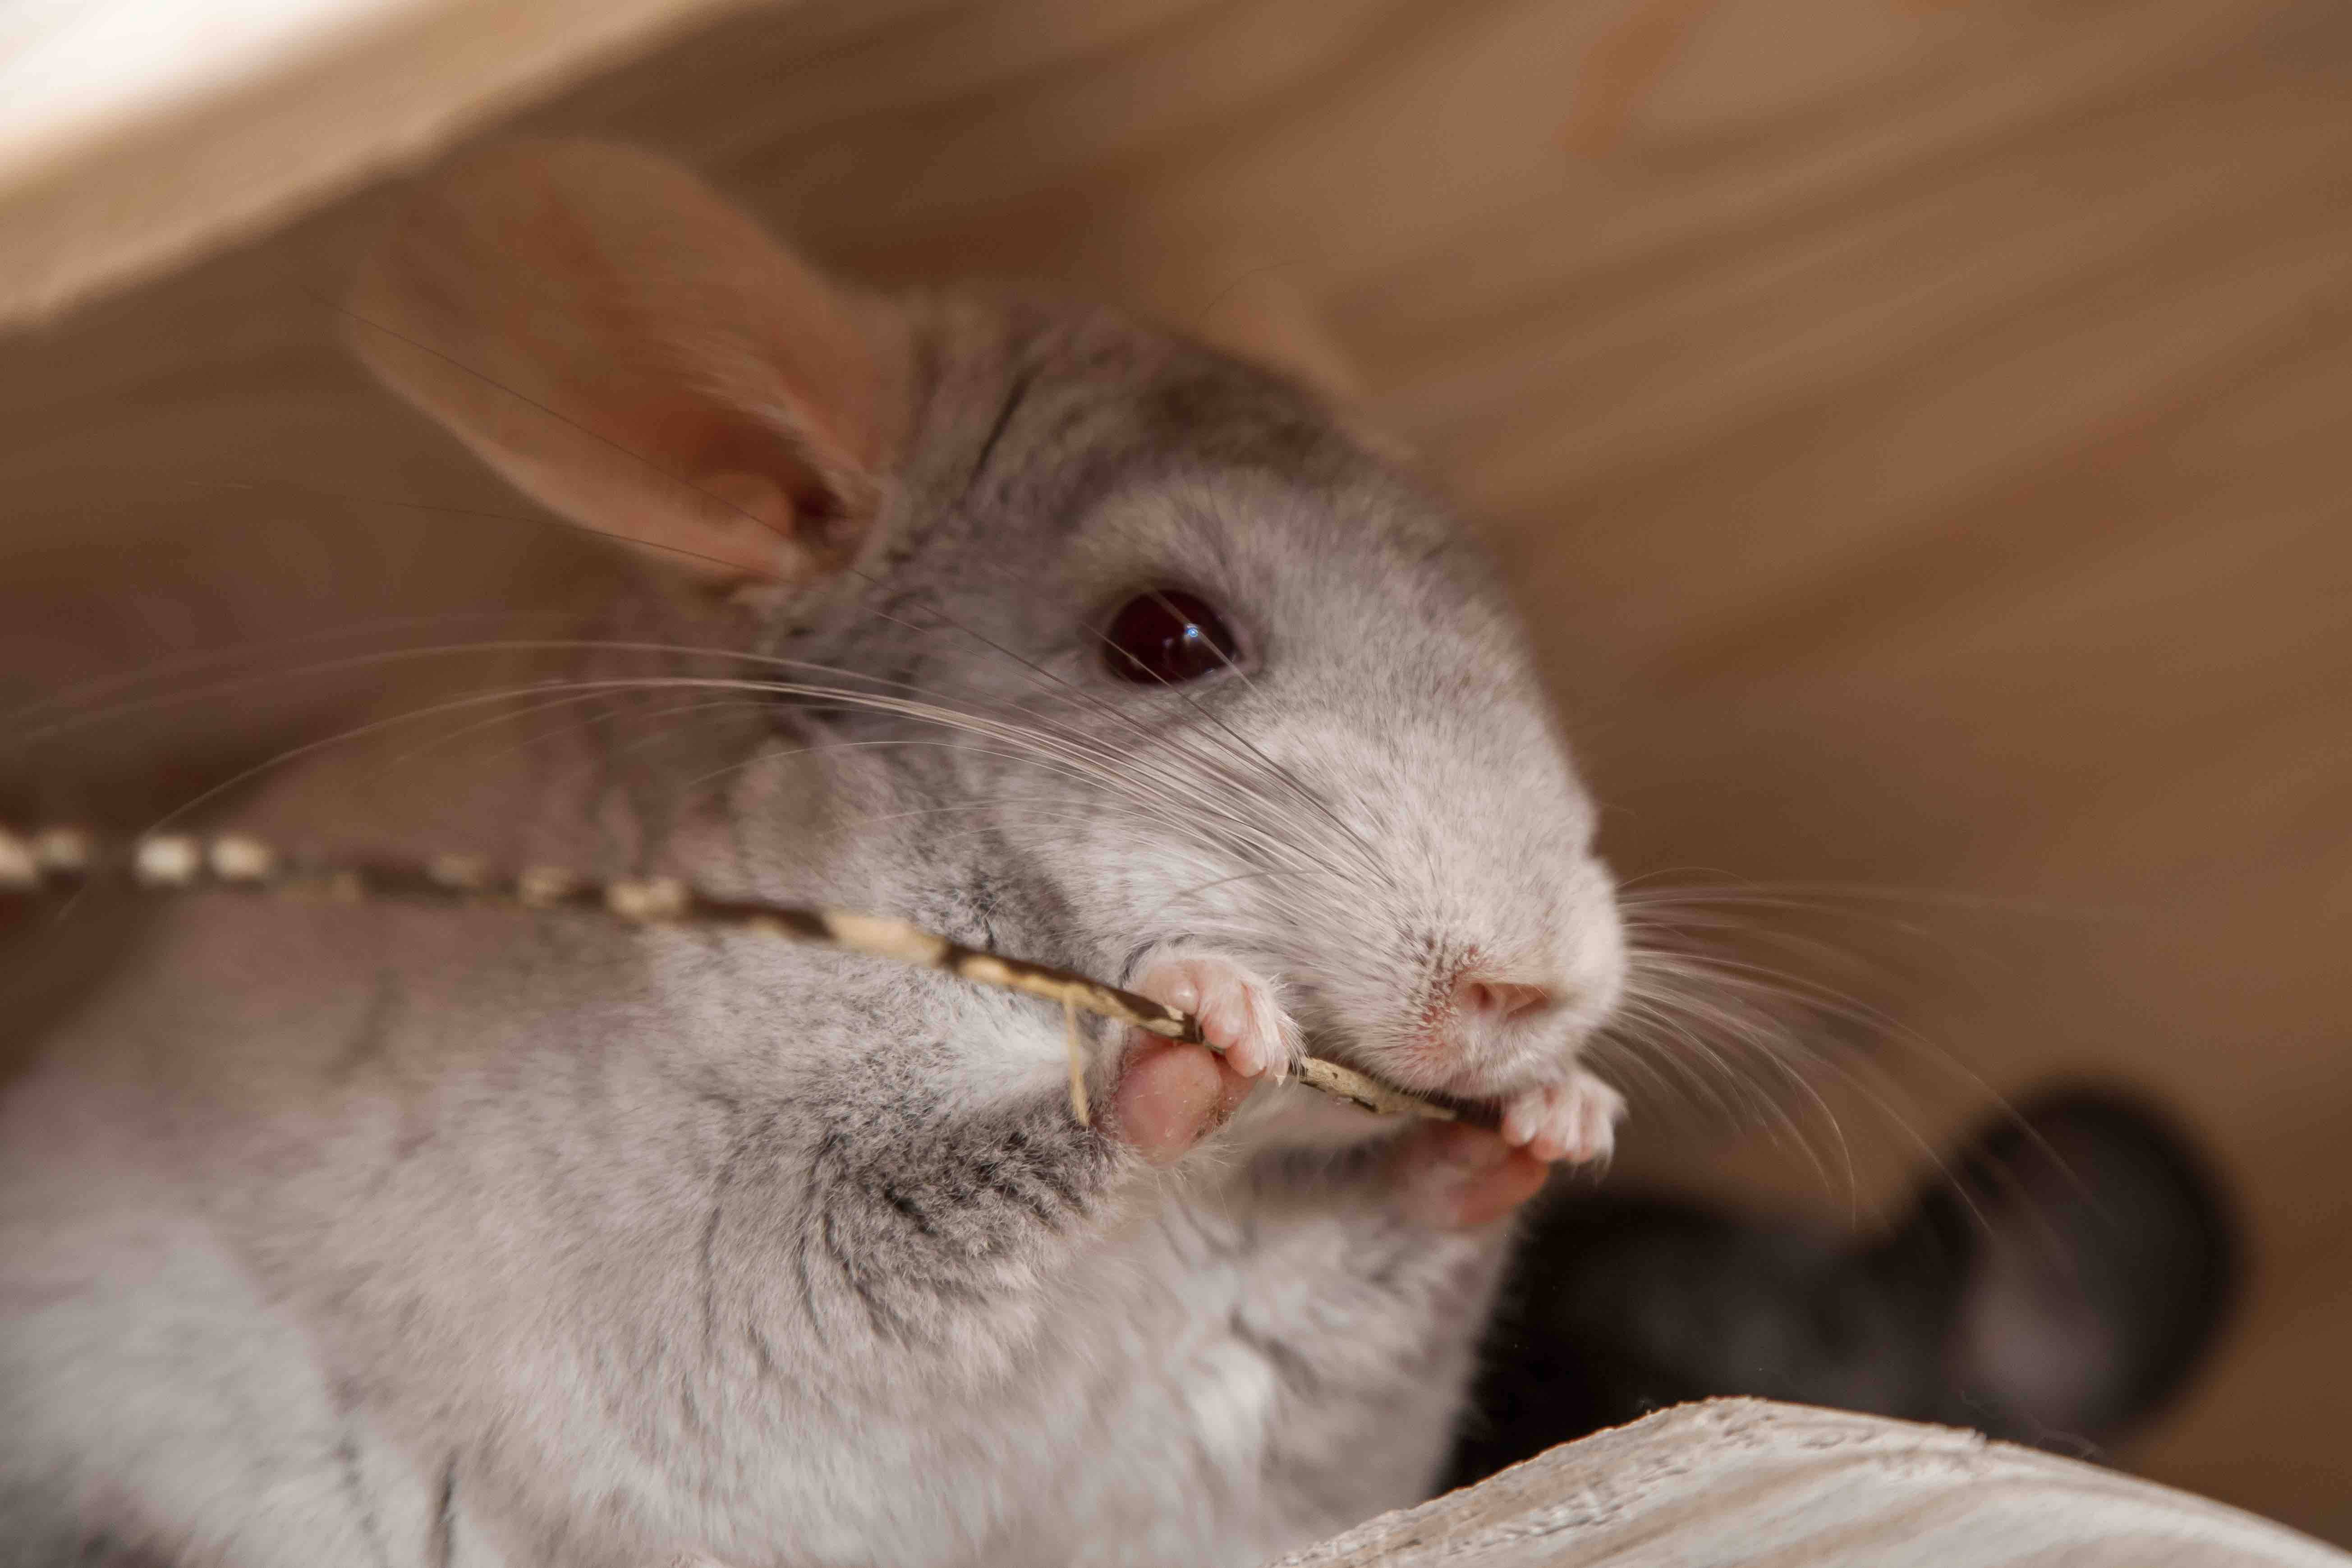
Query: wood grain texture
{"points": [[143, 132], [1748, 1484], [1916, 431]]}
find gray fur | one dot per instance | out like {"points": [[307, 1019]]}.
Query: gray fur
{"points": [[382, 1236]]}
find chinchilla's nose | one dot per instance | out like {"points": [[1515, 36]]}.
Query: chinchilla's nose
{"points": [[1489, 1001], [1489, 1017], [1481, 1015]]}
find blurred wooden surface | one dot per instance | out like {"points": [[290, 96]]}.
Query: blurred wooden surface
{"points": [[1743, 1483], [135, 133], [1917, 431]]}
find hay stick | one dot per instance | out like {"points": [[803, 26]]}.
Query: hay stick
{"points": [[62, 860], [1080, 1110]]}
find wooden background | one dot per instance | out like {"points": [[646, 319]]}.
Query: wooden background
{"points": [[1917, 431]]}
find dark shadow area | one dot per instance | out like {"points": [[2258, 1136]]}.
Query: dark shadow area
{"points": [[2066, 1279]]}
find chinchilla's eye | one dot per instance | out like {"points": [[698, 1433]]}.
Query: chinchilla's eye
{"points": [[1160, 637]]}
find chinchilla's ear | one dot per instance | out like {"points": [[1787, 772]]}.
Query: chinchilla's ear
{"points": [[632, 351]]}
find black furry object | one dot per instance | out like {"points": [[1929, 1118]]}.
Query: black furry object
{"points": [[2063, 1281]]}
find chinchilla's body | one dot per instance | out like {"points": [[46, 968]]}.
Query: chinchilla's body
{"points": [[354, 1234]]}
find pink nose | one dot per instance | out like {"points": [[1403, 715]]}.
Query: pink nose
{"points": [[1499, 1001]]}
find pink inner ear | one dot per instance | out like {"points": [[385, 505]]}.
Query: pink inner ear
{"points": [[726, 489], [642, 358], [755, 498]]}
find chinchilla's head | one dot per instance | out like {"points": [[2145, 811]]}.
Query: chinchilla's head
{"points": [[1156, 641]]}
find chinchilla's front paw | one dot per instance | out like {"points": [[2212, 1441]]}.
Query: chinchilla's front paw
{"points": [[1453, 1177], [1168, 1095], [1574, 1119]]}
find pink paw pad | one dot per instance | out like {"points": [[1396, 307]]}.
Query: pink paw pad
{"points": [[1168, 1096]]}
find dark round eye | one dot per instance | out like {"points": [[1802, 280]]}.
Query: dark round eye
{"points": [[1167, 636]]}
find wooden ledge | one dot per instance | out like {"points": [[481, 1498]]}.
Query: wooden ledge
{"points": [[1760, 1485]]}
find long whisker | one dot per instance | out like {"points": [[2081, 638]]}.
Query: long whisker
{"points": [[83, 694], [1725, 974], [1199, 887], [1827, 898], [1772, 1041], [1241, 745], [1225, 804], [508, 645], [1684, 1024], [1235, 737]]}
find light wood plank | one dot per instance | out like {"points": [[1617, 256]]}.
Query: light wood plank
{"points": [[138, 134], [1749, 1484]]}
